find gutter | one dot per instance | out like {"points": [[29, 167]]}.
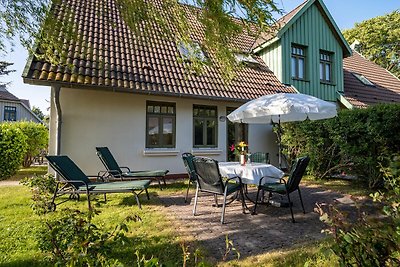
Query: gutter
{"points": [[57, 105]]}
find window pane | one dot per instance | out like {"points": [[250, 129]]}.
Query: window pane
{"points": [[150, 109], [211, 132], [168, 131], [301, 68], [328, 72], [153, 131], [321, 71], [157, 109], [196, 112], [163, 109], [293, 67], [212, 113], [171, 110], [198, 132]]}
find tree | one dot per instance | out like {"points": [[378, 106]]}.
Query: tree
{"points": [[4, 69], [22, 19], [38, 112], [379, 40]]}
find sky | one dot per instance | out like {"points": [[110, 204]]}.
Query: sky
{"points": [[345, 13]]}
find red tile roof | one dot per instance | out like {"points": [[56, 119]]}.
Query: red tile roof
{"points": [[144, 67], [386, 89]]}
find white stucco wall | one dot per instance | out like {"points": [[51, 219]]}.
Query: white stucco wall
{"points": [[118, 120]]}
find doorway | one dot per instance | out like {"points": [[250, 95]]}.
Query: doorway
{"points": [[236, 132]]}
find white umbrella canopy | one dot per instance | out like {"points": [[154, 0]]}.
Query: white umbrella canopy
{"points": [[283, 107]]}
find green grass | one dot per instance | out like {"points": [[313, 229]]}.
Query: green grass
{"points": [[155, 235], [351, 187]]}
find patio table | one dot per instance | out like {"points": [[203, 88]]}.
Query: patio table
{"points": [[251, 173]]}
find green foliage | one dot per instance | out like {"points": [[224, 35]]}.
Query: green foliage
{"points": [[37, 139], [369, 241], [13, 147], [355, 142], [38, 112], [4, 70], [379, 40], [42, 189], [72, 239]]}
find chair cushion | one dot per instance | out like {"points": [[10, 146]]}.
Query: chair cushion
{"points": [[274, 187], [232, 187], [128, 185], [155, 173]]}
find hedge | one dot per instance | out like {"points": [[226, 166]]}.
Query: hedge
{"points": [[355, 142]]}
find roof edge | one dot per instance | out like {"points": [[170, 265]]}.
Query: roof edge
{"points": [[346, 48], [342, 99]]}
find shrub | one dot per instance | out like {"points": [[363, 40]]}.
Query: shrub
{"points": [[356, 142], [37, 139], [369, 241], [12, 149]]}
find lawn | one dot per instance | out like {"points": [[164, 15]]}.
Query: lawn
{"points": [[153, 235]]}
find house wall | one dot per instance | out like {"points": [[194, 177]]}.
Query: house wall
{"points": [[22, 112], [312, 31], [98, 118], [272, 56]]}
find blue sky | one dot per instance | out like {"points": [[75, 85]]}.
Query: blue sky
{"points": [[344, 12]]}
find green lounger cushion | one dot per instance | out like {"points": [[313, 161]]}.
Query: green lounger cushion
{"points": [[128, 185], [156, 173]]}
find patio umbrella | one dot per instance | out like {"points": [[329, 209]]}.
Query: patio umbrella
{"points": [[283, 107]]}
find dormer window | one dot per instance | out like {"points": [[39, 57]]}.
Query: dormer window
{"points": [[363, 79], [245, 58], [325, 66], [298, 62], [190, 51]]}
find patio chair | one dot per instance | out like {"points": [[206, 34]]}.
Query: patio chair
{"points": [[116, 172], [76, 183], [260, 157], [209, 180], [286, 187], [188, 162]]}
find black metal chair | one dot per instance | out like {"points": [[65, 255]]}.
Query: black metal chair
{"points": [[286, 187], [209, 180], [260, 157], [188, 162]]}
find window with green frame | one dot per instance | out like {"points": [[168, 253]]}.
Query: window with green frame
{"points": [[325, 66], [298, 62], [160, 124], [205, 125]]}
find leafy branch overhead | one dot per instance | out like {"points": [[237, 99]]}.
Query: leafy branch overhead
{"points": [[151, 22], [379, 40]]}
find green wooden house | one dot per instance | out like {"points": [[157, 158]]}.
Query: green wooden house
{"points": [[307, 51]]}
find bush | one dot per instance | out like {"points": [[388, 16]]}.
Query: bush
{"points": [[355, 142], [369, 241], [13, 147], [37, 139]]}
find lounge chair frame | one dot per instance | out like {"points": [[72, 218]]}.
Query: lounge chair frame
{"points": [[70, 186]]}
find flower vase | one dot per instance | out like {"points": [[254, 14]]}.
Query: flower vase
{"points": [[242, 159]]}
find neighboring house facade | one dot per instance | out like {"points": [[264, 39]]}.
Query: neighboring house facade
{"points": [[143, 104], [14, 109]]}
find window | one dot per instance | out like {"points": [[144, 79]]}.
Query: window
{"points": [[298, 64], [363, 79], [160, 126], [189, 51], [205, 125], [10, 113], [245, 58], [325, 66]]}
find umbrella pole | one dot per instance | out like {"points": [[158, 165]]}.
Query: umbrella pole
{"points": [[279, 143]]}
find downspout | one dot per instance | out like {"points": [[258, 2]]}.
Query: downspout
{"points": [[57, 105]]}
